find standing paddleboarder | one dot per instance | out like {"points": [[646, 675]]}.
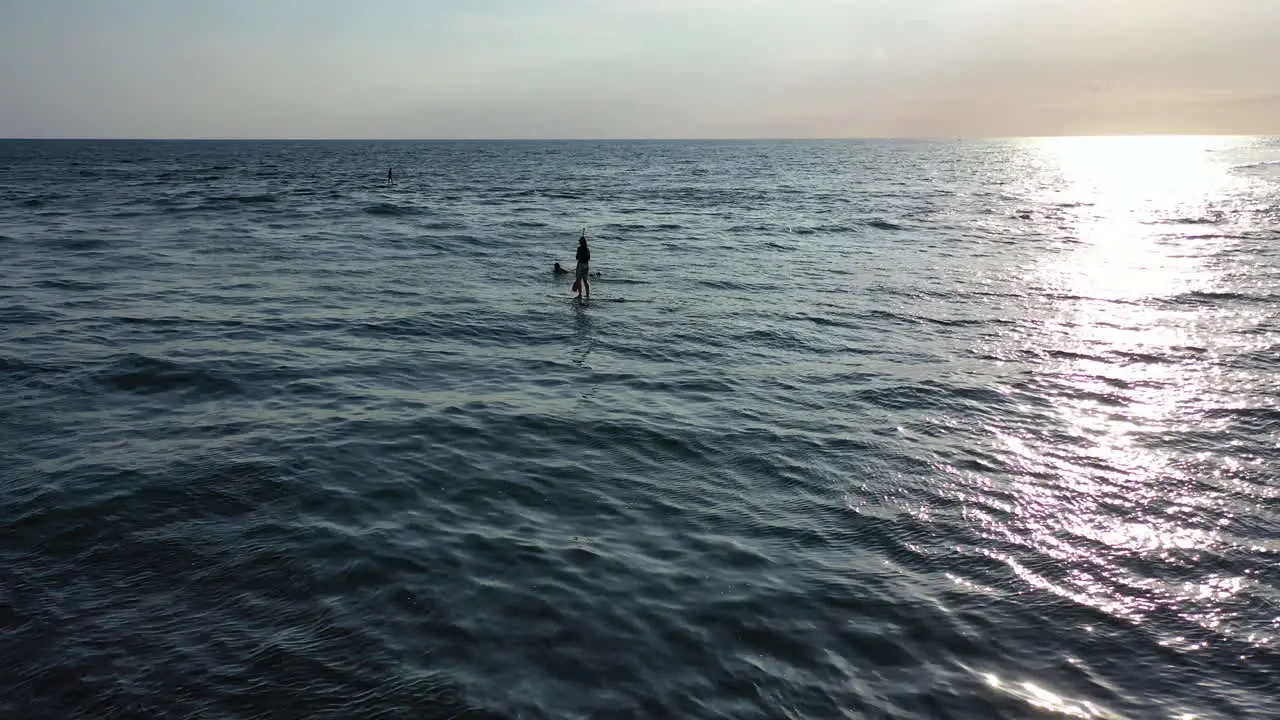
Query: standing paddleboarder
{"points": [[580, 282]]}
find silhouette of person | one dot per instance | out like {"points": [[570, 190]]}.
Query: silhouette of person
{"points": [[584, 261]]}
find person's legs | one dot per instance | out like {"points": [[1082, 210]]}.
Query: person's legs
{"points": [[581, 277]]}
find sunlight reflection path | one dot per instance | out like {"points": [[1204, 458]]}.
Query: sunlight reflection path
{"points": [[1135, 528]]}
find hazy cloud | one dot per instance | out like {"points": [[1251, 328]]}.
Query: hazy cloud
{"points": [[637, 68]]}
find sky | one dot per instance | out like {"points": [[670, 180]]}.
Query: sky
{"points": [[636, 68]]}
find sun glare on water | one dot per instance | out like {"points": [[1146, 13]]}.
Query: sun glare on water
{"points": [[1130, 191], [1136, 172], [1135, 224], [1142, 222]]}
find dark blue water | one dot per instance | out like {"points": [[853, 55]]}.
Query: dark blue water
{"points": [[847, 430]]}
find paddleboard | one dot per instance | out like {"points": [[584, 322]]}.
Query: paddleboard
{"points": [[590, 300]]}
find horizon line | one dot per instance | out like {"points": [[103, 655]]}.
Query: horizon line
{"points": [[761, 138]]}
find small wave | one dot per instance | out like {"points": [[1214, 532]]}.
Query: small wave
{"points": [[1068, 355], [17, 367], [444, 225], [148, 375], [25, 315], [33, 202], [1215, 219], [1256, 420], [931, 395], [890, 316], [885, 225], [244, 199], [1257, 165], [64, 284], [640, 227], [81, 244], [222, 203], [822, 321], [1204, 297], [529, 224], [1141, 358], [834, 229], [958, 322], [392, 210], [773, 339], [620, 281], [1266, 360], [727, 285]]}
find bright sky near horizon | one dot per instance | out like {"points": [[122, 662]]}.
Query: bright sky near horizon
{"points": [[636, 68]]}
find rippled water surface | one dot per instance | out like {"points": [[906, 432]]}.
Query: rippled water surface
{"points": [[847, 430]]}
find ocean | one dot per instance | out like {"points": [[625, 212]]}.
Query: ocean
{"points": [[847, 429]]}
